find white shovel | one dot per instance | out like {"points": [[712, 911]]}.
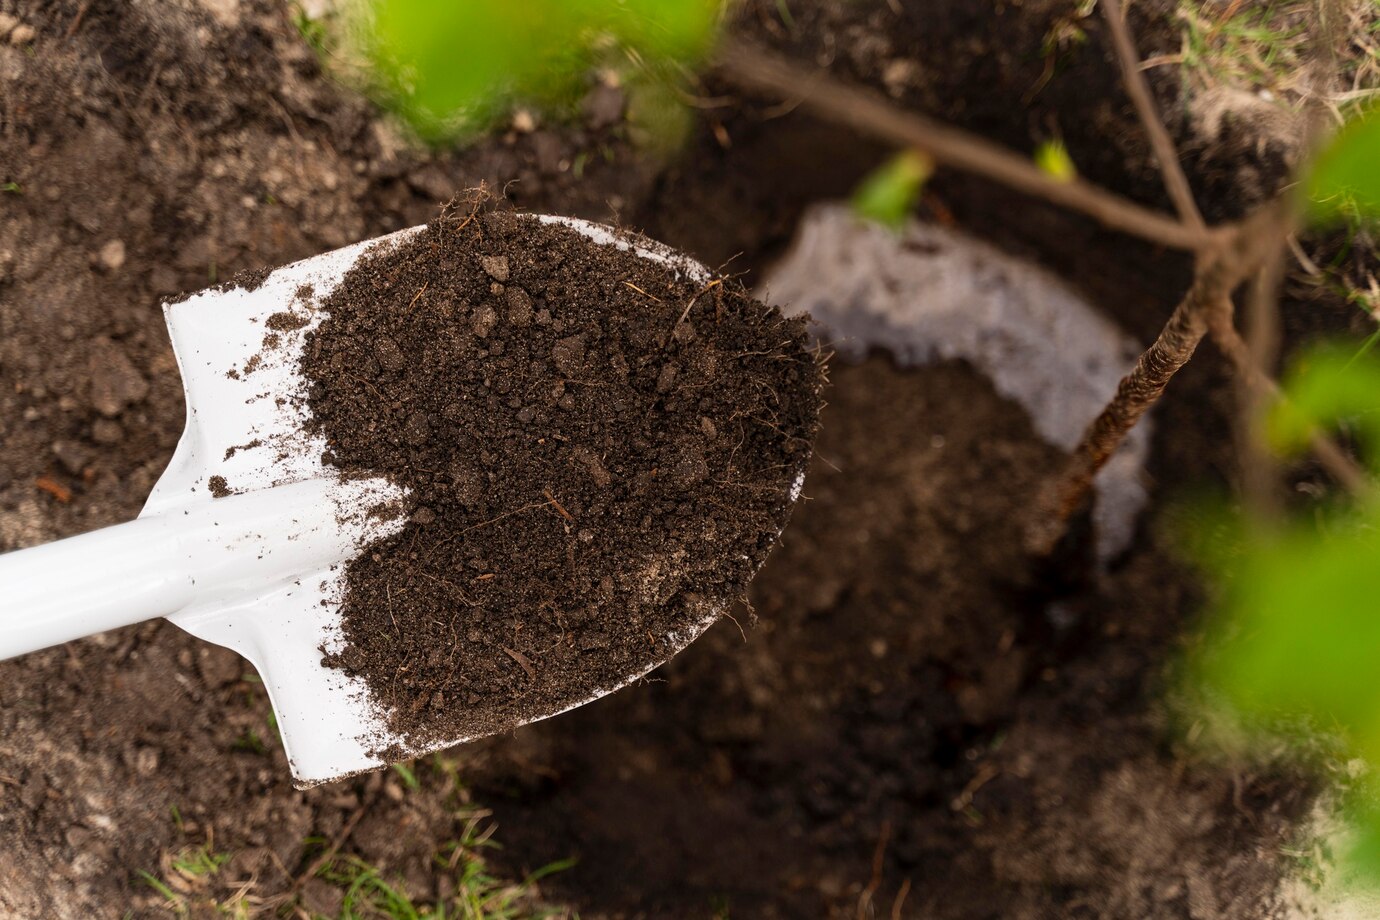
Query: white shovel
{"points": [[251, 570]]}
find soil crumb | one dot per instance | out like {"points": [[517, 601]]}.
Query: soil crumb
{"points": [[249, 279], [236, 448], [600, 452], [286, 322], [218, 486]]}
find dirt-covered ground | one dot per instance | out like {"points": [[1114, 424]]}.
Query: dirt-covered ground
{"points": [[911, 728]]}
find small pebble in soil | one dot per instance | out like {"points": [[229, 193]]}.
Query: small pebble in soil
{"points": [[114, 380], [112, 255]]}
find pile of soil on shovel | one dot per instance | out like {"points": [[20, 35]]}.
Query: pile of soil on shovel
{"points": [[600, 451]]}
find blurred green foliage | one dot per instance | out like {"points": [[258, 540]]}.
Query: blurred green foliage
{"points": [[1344, 182], [452, 68], [1327, 385], [1053, 157], [1292, 651], [888, 194]]}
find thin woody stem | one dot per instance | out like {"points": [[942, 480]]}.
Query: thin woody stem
{"points": [[1239, 252], [1137, 392], [1328, 453], [1258, 468], [760, 70], [1258, 244], [1175, 182], [1225, 256]]}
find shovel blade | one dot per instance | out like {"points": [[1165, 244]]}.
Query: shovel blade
{"points": [[238, 349], [248, 434]]}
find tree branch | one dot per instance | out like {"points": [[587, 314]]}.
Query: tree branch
{"points": [[754, 68], [1225, 256], [1171, 170], [1258, 468], [1259, 242], [1221, 268], [1337, 462]]}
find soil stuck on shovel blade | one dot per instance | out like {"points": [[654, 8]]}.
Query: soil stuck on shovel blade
{"points": [[600, 455]]}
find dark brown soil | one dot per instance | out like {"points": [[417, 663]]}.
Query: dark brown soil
{"points": [[600, 452], [907, 716], [878, 726], [285, 322]]}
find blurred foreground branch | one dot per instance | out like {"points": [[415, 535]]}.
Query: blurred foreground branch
{"points": [[754, 68]]}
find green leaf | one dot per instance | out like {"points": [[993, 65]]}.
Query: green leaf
{"points": [[1296, 636], [551, 868], [888, 194], [658, 121], [450, 67], [409, 778], [1344, 181], [1053, 158], [1290, 650], [1326, 387], [1297, 642], [157, 885]]}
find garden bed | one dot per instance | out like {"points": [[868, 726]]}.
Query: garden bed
{"points": [[907, 718]]}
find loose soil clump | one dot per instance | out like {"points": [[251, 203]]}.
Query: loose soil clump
{"points": [[600, 450]]}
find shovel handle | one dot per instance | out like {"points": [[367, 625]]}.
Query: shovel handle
{"points": [[87, 584], [184, 561]]}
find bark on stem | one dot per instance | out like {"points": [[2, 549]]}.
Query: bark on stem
{"points": [[1236, 253], [1137, 392]]}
